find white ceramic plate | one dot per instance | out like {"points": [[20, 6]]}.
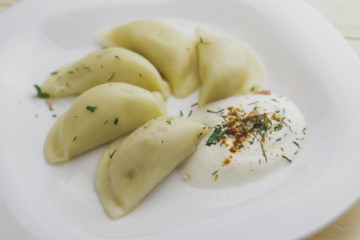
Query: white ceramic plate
{"points": [[304, 57]]}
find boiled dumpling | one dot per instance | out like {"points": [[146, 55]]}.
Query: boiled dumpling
{"points": [[172, 53], [101, 114], [106, 65], [226, 67], [131, 167]]}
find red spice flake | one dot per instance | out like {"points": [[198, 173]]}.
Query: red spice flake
{"points": [[49, 104], [226, 162], [263, 92], [233, 149], [186, 177]]}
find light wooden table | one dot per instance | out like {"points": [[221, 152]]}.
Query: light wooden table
{"points": [[343, 15]]}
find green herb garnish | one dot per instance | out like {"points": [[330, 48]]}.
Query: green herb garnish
{"points": [[209, 111], [296, 144], [215, 136], [112, 154], [116, 121], [111, 77], [284, 157], [41, 94], [190, 113], [91, 108]]}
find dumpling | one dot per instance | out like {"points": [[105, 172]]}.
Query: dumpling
{"points": [[131, 167], [106, 65], [172, 53], [99, 115], [226, 67]]}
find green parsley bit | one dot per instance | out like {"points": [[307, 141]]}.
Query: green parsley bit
{"points": [[215, 136], [91, 108], [41, 94]]}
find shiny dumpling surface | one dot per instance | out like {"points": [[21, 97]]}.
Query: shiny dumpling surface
{"points": [[132, 166], [99, 115], [171, 52], [106, 65], [226, 67]]}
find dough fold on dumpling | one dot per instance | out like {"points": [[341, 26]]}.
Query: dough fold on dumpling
{"points": [[99, 115], [132, 166], [113, 64], [171, 52], [226, 67]]}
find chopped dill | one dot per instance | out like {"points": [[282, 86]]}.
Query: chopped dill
{"points": [[209, 111], [111, 77], [190, 113], [262, 149], [112, 154], [296, 144], [284, 157]]}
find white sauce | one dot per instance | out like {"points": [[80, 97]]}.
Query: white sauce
{"points": [[262, 151]]}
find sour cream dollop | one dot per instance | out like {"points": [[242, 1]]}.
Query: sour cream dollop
{"points": [[252, 136]]}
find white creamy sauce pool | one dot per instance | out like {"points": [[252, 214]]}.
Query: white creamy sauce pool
{"points": [[252, 136]]}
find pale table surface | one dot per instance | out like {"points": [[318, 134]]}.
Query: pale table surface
{"points": [[345, 16]]}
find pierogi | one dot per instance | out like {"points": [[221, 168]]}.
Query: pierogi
{"points": [[99, 115], [132, 166], [171, 52], [226, 67], [107, 65]]}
